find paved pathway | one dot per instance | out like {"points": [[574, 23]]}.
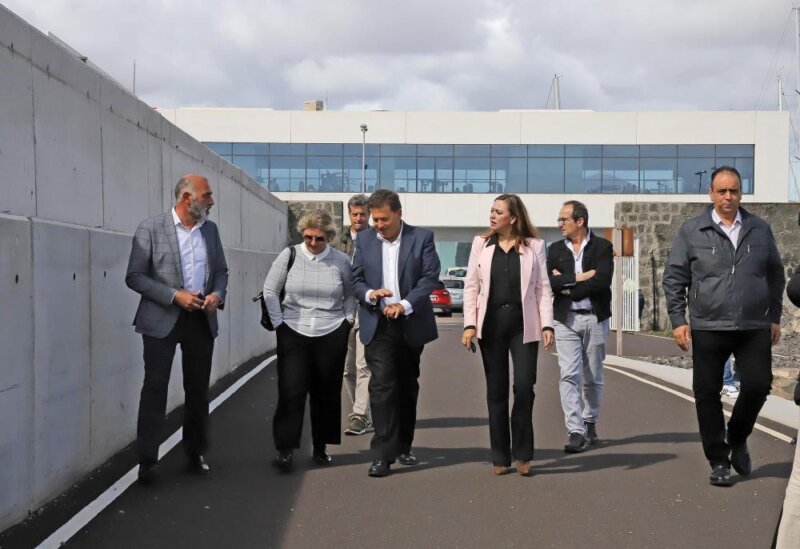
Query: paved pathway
{"points": [[645, 486]]}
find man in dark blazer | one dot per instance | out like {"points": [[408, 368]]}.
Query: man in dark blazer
{"points": [[395, 269], [581, 267], [178, 266]]}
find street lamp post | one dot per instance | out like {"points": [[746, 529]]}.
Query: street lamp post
{"points": [[700, 180], [363, 158]]}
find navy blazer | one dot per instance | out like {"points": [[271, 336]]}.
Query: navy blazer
{"points": [[418, 277]]}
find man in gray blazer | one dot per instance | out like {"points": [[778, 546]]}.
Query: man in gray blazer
{"points": [[178, 266]]}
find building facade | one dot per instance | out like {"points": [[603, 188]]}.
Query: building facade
{"points": [[448, 166]]}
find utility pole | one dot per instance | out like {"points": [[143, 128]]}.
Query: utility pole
{"points": [[780, 94], [363, 158], [557, 85]]}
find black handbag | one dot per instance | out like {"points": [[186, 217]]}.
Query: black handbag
{"points": [[266, 321]]}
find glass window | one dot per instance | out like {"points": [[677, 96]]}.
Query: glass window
{"points": [[324, 174], [398, 150], [472, 150], [325, 149], [444, 174], [434, 150], [220, 148], [620, 175], [582, 175], [426, 174], [735, 150], [546, 150], [578, 151], [247, 164], [516, 151], [398, 173], [745, 167], [695, 151], [354, 149], [657, 175], [250, 148], [352, 173], [287, 173], [288, 149], [510, 174], [694, 175], [471, 175], [652, 151], [620, 151], [546, 175]]}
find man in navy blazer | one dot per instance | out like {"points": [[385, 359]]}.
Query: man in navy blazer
{"points": [[395, 269]]}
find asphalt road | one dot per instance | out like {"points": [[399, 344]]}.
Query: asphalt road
{"points": [[644, 486]]}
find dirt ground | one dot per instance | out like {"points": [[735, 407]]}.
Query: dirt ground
{"points": [[785, 365]]}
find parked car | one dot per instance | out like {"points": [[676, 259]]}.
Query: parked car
{"points": [[456, 288], [440, 299], [456, 272]]}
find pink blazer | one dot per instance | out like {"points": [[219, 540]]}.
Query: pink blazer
{"points": [[537, 297]]}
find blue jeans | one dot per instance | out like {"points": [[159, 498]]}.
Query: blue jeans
{"points": [[729, 376]]}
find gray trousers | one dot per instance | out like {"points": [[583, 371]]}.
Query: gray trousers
{"points": [[357, 374], [581, 345]]}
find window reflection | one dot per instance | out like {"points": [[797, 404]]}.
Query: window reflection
{"points": [[559, 169]]}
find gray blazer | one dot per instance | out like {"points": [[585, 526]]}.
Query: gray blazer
{"points": [[154, 271]]}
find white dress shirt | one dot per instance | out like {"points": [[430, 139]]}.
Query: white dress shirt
{"points": [[391, 273], [584, 303], [194, 257], [733, 230]]}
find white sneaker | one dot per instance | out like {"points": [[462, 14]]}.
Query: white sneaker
{"points": [[730, 391]]}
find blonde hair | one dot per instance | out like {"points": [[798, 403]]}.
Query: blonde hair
{"points": [[317, 219], [523, 228]]}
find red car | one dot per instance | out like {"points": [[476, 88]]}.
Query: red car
{"points": [[440, 299]]}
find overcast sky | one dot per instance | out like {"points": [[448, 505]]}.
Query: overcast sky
{"points": [[435, 54]]}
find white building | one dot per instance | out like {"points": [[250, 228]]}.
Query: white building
{"points": [[448, 166]]}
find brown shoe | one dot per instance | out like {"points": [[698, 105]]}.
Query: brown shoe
{"points": [[524, 468], [501, 470]]}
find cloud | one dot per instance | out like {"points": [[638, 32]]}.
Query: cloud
{"points": [[443, 55]]}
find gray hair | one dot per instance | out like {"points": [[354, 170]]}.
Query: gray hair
{"points": [[183, 184], [359, 201], [317, 219]]}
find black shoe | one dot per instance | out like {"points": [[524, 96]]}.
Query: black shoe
{"points": [[147, 472], [379, 468], [720, 476], [407, 458], [321, 456], [591, 434], [197, 465], [576, 443], [283, 461], [740, 460]]}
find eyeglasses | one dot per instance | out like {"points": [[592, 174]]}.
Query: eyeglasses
{"points": [[563, 220], [310, 238]]}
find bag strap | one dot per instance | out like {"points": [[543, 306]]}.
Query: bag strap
{"points": [[292, 253]]}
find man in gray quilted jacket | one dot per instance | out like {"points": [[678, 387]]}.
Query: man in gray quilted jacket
{"points": [[726, 264]]}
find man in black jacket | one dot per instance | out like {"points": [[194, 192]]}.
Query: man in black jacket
{"points": [[581, 268], [726, 263]]}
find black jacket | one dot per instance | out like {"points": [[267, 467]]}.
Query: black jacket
{"points": [[598, 255], [728, 289]]}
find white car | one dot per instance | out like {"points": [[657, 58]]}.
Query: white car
{"points": [[456, 288], [455, 272]]}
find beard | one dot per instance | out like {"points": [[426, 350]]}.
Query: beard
{"points": [[198, 211]]}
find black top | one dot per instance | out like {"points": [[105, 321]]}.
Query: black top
{"points": [[505, 286]]}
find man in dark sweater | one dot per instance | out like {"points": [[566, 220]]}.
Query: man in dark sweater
{"points": [[580, 268]]}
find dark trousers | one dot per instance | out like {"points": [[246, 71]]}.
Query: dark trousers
{"points": [[309, 366], [502, 334], [393, 389], [753, 353], [191, 331]]}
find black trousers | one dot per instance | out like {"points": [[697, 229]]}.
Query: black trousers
{"points": [[393, 389], [191, 331], [309, 366], [753, 353], [502, 333]]}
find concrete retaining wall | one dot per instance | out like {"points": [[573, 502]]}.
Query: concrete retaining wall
{"points": [[82, 162], [655, 224]]}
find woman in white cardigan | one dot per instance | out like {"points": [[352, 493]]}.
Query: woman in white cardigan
{"points": [[508, 307]]}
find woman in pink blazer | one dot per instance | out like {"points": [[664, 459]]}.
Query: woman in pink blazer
{"points": [[508, 307]]}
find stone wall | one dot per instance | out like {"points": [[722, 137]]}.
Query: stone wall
{"points": [[655, 224]]}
